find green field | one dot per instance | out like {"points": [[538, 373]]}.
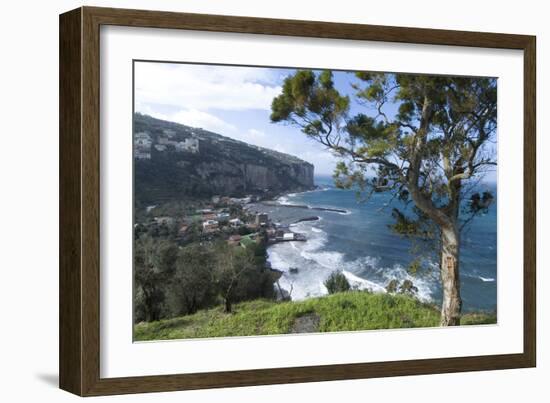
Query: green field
{"points": [[348, 311]]}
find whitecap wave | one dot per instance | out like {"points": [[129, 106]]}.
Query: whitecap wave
{"points": [[362, 284], [314, 263]]}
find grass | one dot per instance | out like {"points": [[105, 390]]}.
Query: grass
{"points": [[348, 311]]}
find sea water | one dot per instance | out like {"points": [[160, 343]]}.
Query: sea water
{"points": [[358, 242]]}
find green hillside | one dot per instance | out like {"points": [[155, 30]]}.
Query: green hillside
{"points": [[348, 311]]}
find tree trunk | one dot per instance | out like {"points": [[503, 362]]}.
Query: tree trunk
{"points": [[450, 278], [227, 305]]}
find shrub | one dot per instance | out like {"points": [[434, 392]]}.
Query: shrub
{"points": [[407, 287], [392, 286], [337, 282]]}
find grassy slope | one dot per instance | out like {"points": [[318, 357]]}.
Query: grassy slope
{"points": [[339, 312]]}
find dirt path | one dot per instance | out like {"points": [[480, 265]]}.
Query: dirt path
{"points": [[308, 323]]}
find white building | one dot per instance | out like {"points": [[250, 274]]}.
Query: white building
{"points": [[235, 222], [223, 217], [142, 155], [190, 145], [142, 145], [142, 135], [210, 225], [169, 133], [166, 141], [143, 140]]}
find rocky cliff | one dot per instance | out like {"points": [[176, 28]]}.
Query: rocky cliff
{"points": [[176, 161]]}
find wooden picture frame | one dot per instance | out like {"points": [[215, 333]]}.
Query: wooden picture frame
{"points": [[79, 346]]}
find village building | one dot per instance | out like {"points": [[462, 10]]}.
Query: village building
{"points": [[142, 145], [210, 226], [235, 222], [261, 220], [209, 216], [165, 220], [166, 141], [223, 217], [169, 133], [188, 145], [142, 155], [142, 138]]}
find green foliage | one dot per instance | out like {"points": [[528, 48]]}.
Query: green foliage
{"points": [[480, 203], [240, 274], [337, 282], [414, 267], [406, 287], [311, 100], [438, 140], [243, 230], [170, 282], [154, 263], [419, 226], [192, 285], [349, 311]]}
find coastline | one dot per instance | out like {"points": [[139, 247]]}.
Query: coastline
{"points": [[305, 266], [359, 244]]}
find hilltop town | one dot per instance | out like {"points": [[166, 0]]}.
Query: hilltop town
{"points": [[176, 162], [143, 143]]}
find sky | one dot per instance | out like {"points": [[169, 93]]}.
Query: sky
{"points": [[233, 101]]}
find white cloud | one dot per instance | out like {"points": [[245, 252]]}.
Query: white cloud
{"points": [[256, 133], [191, 117], [204, 120], [252, 136], [201, 87], [324, 160]]}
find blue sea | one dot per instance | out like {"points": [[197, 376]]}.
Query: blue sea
{"points": [[358, 242]]}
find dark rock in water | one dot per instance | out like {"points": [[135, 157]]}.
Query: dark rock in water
{"points": [[218, 165], [306, 207], [312, 218], [334, 210], [293, 270]]}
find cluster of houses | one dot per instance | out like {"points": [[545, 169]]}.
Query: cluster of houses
{"points": [[143, 144], [212, 220], [220, 218]]}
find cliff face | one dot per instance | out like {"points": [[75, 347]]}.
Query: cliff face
{"points": [[177, 161]]}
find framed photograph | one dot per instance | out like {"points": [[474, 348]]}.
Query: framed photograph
{"points": [[249, 201]]}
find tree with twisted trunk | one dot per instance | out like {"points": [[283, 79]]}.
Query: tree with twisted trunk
{"points": [[431, 153]]}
